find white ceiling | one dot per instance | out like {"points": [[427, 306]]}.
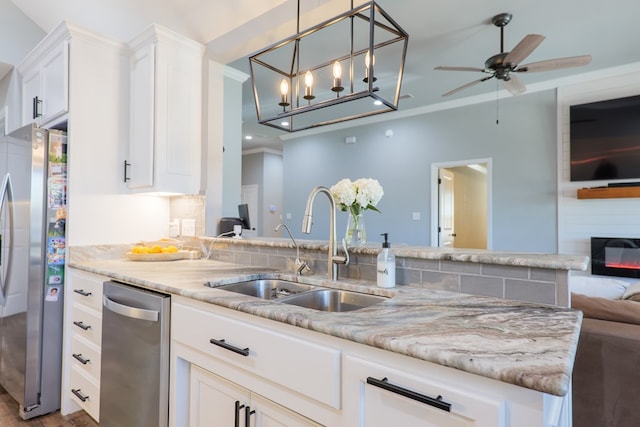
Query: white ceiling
{"points": [[441, 32]]}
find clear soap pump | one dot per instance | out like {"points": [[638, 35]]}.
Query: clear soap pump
{"points": [[386, 265]]}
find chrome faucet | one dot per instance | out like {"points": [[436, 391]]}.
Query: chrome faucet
{"points": [[332, 259], [300, 264]]}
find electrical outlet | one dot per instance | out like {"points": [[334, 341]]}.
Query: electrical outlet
{"points": [[415, 216]]}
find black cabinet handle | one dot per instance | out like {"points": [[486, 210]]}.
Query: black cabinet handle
{"points": [[82, 292], [79, 394], [236, 418], [384, 384], [81, 325], [79, 358], [247, 416], [126, 165], [223, 344], [36, 107]]}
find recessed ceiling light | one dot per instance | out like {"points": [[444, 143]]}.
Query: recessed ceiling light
{"points": [[284, 123], [248, 137], [377, 102]]}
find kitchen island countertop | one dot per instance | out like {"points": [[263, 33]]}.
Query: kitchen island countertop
{"points": [[526, 344]]}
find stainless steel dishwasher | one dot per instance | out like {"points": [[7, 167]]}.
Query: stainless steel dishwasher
{"points": [[134, 379]]}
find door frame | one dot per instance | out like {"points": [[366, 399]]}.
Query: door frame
{"points": [[435, 202]]}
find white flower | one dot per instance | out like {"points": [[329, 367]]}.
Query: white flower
{"points": [[362, 194]]}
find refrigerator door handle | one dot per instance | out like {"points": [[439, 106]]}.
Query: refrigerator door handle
{"points": [[6, 196], [128, 311]]}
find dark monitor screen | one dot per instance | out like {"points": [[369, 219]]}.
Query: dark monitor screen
{"points": [[243, 213]]}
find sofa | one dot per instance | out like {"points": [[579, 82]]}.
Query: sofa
{"points": [[606, 373]]}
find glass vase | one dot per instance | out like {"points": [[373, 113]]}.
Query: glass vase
{"points": [[356, 234]]}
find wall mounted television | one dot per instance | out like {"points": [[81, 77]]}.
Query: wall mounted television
{"points": [[605, 140]]}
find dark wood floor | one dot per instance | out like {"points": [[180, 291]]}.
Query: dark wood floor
{"points": [[9, 416]]}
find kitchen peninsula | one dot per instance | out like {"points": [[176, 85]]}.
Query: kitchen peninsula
{"points": [[490, 361]]}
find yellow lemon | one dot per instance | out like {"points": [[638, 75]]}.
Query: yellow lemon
{"points": [[170, 249], [155, 249]]}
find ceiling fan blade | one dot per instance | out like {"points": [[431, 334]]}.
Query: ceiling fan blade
{"points": [[445, 68], [514, 85], [468, 85], [523, 49], [555, 64]]}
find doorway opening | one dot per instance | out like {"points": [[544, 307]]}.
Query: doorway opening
{"points": [[461, 204]]}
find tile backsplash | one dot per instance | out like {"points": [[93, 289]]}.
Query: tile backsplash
{"points": [[188, 207]]}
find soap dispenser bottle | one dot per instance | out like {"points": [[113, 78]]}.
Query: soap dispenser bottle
{"points": [[386, 265]]}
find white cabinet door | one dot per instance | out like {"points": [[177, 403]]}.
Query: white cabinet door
{"points": [[142, 136], [216, 402], [166, 103], [382, 396], [55, 83], [45, 86], [31, 97], [270, 414]]}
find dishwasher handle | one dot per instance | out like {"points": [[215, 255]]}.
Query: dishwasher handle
{"points": [[128, 311]]}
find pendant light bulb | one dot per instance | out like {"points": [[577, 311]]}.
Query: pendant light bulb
{"points": [[308, 79], [369, 60], [308, 83], [284, 90], [337, 78], [337, 70]]}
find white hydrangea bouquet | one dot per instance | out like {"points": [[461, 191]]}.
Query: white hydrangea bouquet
{"points": [[355, 197]]}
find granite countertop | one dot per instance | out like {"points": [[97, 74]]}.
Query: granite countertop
{"points": [[525, 344], [521, 259]]}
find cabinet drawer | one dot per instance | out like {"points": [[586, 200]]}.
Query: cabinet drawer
{"points": [[84, 392], [86, 323], [300, 365], [82, 350], [87, 290], [389, 396]]}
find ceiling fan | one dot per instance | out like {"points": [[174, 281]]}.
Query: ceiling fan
{"points": [[504, 64]]}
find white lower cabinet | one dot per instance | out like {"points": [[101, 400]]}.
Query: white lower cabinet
{"points": [[220, 356], [226, 364], [215, 402], [82, 343]]}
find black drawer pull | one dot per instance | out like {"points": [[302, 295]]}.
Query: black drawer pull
{"points": [[384, 384], [221, 343], [236, 419], [79, 358], [247, 416], [82, 292], [82, 325], [79, 394]]}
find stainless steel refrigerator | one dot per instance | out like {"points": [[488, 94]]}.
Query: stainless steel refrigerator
{"points": [[33, 167]]}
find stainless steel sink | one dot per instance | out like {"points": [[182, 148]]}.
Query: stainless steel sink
{"points": [[334, 300], [267, 288]]}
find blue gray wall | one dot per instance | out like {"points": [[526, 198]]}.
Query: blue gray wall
{"points": [[522, 148]]}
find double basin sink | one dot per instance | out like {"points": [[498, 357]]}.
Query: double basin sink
{"points": [[303, 295]]}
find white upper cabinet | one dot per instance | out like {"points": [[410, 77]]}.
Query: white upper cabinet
{"points": [[45, 80], [165, 136]]}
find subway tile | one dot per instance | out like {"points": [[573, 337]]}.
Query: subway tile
{"points": [[408, 276], [505, 271], [526, 290], [441, 281], [422, 264], [460, 267], [482, 285], [543, 274]]}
